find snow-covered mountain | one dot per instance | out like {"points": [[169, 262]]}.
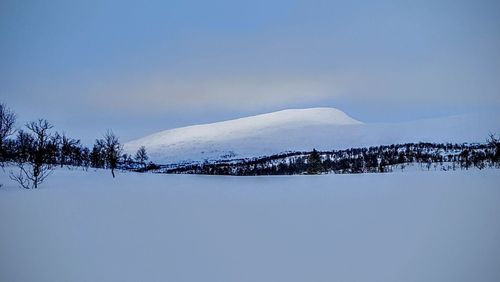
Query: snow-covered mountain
{"points": [[301, 130]]}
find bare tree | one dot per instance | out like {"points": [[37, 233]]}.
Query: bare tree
{"points": [[141, 156], [7, 122], [36, 166], [112, 150], [66, 148]]}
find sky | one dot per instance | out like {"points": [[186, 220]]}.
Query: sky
{"points": [[138, 67]]}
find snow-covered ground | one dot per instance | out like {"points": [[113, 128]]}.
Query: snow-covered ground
{"points": [[409, 226], [302, 130]]}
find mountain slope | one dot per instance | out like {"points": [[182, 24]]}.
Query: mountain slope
{"points": [[299, 130]]}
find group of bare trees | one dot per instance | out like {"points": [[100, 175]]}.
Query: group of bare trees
{"points": [[37, 150]]}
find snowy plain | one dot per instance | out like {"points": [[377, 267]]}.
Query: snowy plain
{"points": [[402, 226]]}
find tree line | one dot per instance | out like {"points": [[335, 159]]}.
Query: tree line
{"points": [[374, 159], [37, 149]]}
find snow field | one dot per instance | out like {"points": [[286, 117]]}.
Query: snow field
{"points": [[411, 226]]}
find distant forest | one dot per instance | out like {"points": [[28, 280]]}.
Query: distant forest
{"points": [[357, 160]]}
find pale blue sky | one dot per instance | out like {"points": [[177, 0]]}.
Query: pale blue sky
{"points": [[140, 67]]}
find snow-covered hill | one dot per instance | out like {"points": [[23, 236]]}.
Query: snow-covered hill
{"points": [[300, 130]]}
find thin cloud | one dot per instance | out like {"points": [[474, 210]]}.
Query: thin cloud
{"points": [[157, 94]]}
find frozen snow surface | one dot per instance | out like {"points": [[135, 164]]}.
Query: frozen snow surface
{"points": [[303, 130], [410, 226]]}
